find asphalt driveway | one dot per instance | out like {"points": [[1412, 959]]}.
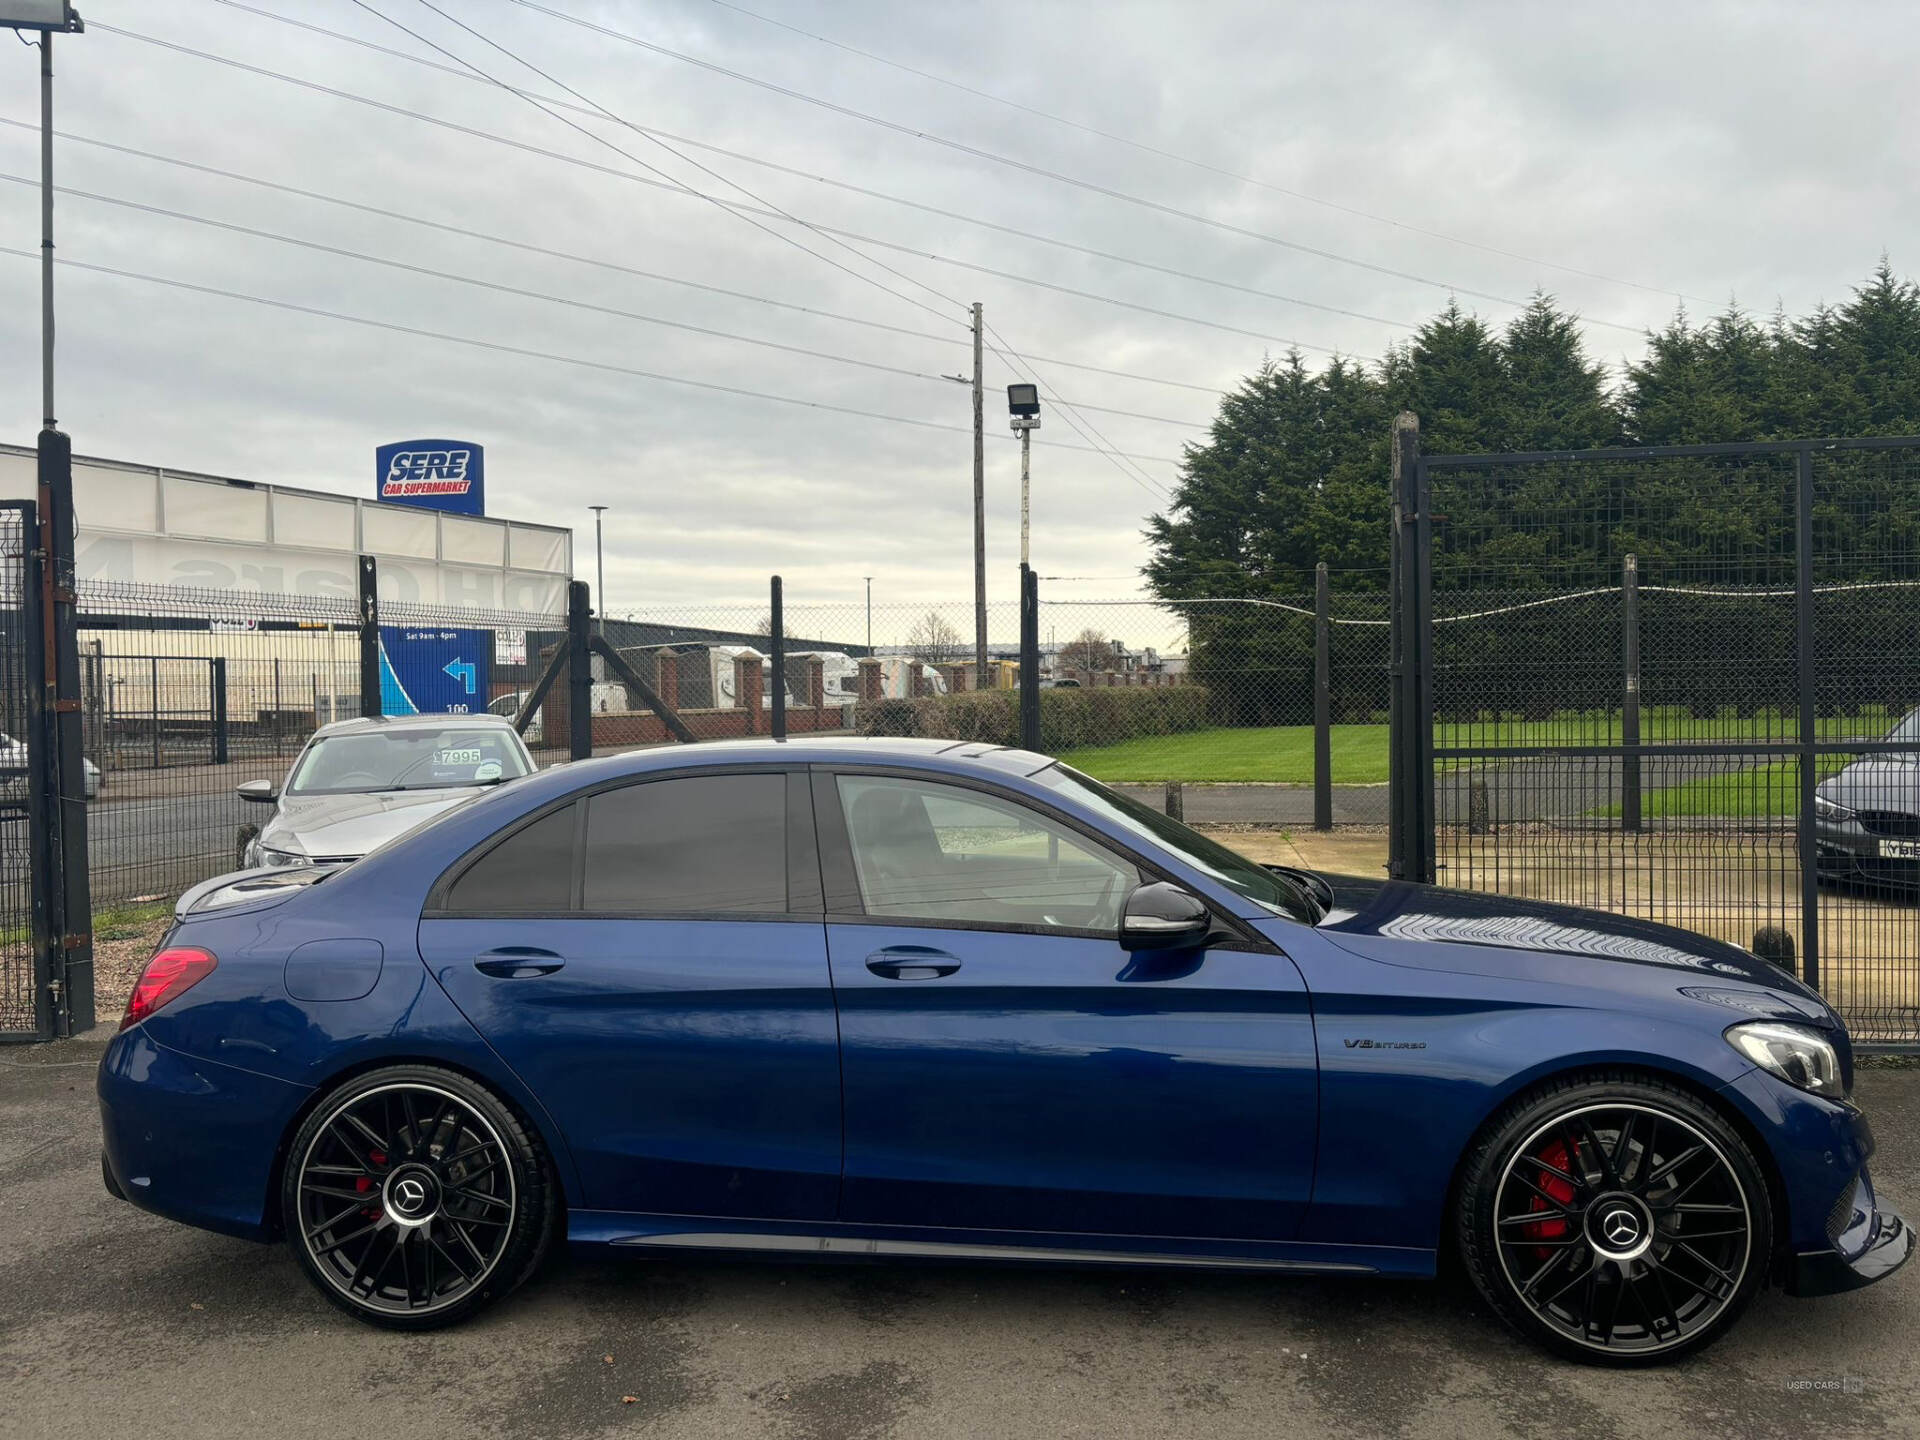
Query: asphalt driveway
{"points": [[114, 1323]]}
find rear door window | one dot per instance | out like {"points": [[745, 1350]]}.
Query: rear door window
{"points": [[528, 873], [704, 844]]}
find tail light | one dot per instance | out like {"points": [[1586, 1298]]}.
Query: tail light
{"points": [[166, 977]]}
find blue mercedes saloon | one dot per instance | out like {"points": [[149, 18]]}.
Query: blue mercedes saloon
{"points": [[889, 999]]}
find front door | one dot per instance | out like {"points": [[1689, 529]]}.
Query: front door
{"points": [[1009, 1067], [651, 960]]}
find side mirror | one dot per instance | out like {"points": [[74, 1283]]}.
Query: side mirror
{"points": [[1164, 916], [261, 792]]}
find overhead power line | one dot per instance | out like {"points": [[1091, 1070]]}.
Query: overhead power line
{"points": [[540, 295], [1041, 171], [500, 347], [751, 195], [526, 247], [1085, 428], [600, 139], [1211, 168], [884, 196], [674, 187]]}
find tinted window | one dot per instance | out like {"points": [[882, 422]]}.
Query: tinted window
{"points": [[706, 843], [1278, 893], [531, 871], [942, 852]]}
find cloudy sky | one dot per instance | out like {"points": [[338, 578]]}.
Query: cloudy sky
{"points": [[1356, 162]]}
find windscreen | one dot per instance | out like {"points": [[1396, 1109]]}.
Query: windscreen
{"points": [[421, 758]]}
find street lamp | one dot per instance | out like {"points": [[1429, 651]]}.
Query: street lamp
{"points": [[57, 785], [599, 571], [1023, 403]]}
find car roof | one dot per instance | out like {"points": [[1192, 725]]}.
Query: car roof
{"points": [[369, 723], [953, 756]]}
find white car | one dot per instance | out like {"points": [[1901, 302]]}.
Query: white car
{"points": [[13, 768], [358, 783]]}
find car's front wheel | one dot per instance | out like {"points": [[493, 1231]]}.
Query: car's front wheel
{"points": [[1615, 1220], [413, 1197]]}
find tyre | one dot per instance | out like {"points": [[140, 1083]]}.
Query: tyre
{"points": [[242, 843], [1615, 1220], [413, 1197]]}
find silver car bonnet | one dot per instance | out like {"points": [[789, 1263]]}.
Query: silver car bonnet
{"points": [[345, 827]]}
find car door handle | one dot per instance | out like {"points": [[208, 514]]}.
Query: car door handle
{"points": [[516, 962], [912, 962]]}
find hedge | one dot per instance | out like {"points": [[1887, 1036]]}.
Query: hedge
{"points": [[1069, 719]]}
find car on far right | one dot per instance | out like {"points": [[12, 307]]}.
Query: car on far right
{"points": [[1867, 818]]}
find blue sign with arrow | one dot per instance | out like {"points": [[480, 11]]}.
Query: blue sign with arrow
{"points": [[431, 670]]}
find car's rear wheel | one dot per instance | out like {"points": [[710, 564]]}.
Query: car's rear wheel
{"points": [[1615, 1221], [413, 1197]]}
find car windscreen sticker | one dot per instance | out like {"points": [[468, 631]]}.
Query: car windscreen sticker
{"points": [[488, 770]]}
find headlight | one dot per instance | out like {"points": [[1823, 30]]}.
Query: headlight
{"points": [[281, 857], [1828, 810], [1801, 1057]]}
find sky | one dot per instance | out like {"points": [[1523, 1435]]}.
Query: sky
{"points": [[1354, 164]]}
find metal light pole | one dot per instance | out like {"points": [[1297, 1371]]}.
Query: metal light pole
{"points": [[599, 573], [64, 920], [1023, 404], [869, 580], [979, 510]]}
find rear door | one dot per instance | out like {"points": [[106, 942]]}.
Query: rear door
{"points": [[651, 959], [1008, 1066]]}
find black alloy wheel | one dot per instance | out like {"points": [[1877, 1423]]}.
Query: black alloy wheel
{"points": [[413, 1197], [1617, 1222]]}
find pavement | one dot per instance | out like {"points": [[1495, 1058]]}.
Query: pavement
{"points": [[115, 1323]]}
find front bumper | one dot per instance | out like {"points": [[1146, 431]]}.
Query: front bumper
{"points": [[1846, 850], [1870, 1242]]}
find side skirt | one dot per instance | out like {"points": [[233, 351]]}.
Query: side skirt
{"points": [[774, 1241]]}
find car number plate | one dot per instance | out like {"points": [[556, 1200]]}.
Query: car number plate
{"points": [[1900, 849]]}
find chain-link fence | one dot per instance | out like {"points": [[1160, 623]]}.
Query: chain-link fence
{"points": [[1685, 684], [1269, 711], [188, 694], [21, 1007]]}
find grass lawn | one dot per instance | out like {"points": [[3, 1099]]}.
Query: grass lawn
{"points": [[1271, 753], [1284, 753], [1739, 794]]}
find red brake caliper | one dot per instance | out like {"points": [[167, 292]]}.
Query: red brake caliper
{"points": [[1555, 1228], [365, 1183]]}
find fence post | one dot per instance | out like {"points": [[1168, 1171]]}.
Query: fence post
{"points": [[1630, 695], [1029, 658], [1322, 702], [779, 665], [1809, 755], [218, 681], [1410, 757], [153, 708], [579, 672], [1175, 800], [72, 895], [369, 636]]}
